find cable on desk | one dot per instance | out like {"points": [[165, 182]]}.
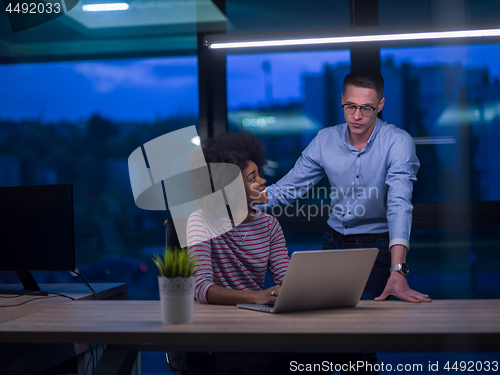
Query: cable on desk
{"points": [[62, 295], [14, 296], [22, 293], [32, 299], [22, 303], [82, 281]]}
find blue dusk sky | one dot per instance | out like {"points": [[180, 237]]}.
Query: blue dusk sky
{"points": [[147, 89]]}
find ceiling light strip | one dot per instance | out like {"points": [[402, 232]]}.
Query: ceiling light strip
{"points": [[104, 7], [356, 39]]}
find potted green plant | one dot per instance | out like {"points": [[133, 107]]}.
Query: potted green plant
{"points": [[176, 283]]}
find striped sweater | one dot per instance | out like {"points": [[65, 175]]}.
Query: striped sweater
{"points": [[239, 258]]}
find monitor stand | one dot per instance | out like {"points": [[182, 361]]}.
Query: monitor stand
{"points": [[30, 285]]}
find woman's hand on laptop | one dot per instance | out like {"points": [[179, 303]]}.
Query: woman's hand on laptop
{"points": [[265, 296], [225, 296]]}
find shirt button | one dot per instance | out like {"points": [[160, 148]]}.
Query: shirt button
{"points": [[345, 226], [357, 176], [359, 155]]}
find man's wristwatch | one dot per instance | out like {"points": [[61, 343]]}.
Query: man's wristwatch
{"points": [[402, 268]]}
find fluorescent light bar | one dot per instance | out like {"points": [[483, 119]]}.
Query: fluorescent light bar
{"points": [[356, 39], [104, 7]]}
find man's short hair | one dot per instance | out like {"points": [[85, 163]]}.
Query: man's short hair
{"points": [[367, 79]]}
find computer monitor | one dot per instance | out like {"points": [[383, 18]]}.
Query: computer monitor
{"points": [[36, 231]]}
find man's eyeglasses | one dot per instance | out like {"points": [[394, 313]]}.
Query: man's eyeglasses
{"points": [[366, 110]]}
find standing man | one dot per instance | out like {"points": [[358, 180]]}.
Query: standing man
{"points": [[372, 167]]}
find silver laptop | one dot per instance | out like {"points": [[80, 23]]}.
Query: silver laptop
{"points": [[322, 279]]}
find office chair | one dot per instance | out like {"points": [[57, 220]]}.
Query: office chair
{"points": [[172, 239], [175, 367], [172, 357]]}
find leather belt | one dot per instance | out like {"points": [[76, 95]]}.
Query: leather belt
{"points": [[357, 237]]}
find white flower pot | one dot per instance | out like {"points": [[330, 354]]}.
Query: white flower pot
{"points": [[176, 299]]}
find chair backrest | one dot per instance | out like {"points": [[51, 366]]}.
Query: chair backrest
{"points": [[172, 239]]}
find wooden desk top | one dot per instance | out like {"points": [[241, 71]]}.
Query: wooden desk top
{"points": [[443, 325], [12, 306]]}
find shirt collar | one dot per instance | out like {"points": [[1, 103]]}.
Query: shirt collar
{"points": [[347, 139]]}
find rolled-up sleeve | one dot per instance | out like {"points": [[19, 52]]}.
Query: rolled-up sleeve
{"points": [[401, 175]]}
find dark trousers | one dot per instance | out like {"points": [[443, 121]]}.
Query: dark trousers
{"points": [[379, 275]]}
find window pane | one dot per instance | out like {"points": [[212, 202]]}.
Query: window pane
{"points": [[448, 98], [77, 123], [286, 98]]}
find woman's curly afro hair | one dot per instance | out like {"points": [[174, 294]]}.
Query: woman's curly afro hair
{"points": [[235, 148]]}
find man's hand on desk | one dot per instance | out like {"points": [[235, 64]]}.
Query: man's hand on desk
{"points": [[397, 286]]}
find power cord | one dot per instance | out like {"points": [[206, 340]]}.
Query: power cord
{"points": [[82, 281], [91, 359], [32, 299], [86, 283]]}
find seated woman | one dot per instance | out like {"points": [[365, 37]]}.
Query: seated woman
{"points": [[231, 267]]}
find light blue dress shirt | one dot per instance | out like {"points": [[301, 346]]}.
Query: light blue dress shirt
{"points": [[371, 189]]}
